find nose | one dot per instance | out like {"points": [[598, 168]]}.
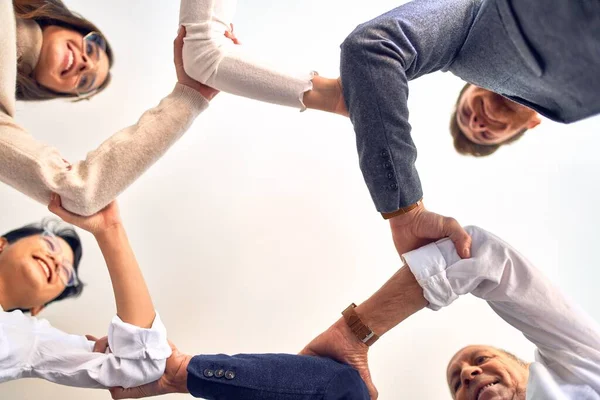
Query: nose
{"points": [[476, 123], [86, 63], [468, 374], [56, 259]]}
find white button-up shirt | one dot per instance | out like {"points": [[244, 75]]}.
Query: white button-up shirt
{"points": [[567, 357], [32, 348]]}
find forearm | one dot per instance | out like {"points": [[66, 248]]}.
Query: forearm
{"points": [[375, 86], [326, 95], [398, 299], [133, 301], [87, 186]]}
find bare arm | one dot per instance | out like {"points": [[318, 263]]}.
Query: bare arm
{"points": [[397, 300], [134, 304]]}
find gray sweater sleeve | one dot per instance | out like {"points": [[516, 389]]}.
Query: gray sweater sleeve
{"points": [[85, 186], [377, 60]]}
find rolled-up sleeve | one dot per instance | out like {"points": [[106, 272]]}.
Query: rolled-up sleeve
{"points": [[567, 339], [35, 349], [129, 341]]}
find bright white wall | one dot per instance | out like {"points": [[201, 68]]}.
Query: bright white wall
{"points": [[259, 219]]}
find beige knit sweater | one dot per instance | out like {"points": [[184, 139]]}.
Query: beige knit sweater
{"points": [[86, 186]]}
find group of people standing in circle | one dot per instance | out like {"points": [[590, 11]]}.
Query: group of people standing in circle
{"points": [[522, 60]]}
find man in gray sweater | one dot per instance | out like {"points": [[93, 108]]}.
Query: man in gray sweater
{"points": [[521, 57]]}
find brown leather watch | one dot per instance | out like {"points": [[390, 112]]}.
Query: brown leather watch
{"points": [[402, 211], [360, 330]]}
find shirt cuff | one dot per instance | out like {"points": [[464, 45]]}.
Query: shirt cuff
{"points": [[429, 268], [131, 342]]}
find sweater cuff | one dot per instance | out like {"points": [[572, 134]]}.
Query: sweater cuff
{"points": [[192, 97], [429, 268], [131, 342]]}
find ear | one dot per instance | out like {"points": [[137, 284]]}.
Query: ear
{"points": [[533, 122], [36, 310], [3, 244]]}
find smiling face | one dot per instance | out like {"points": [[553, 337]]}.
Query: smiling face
{"points": [[28, 272], [486, 118], [63, 65], [486, 373]]}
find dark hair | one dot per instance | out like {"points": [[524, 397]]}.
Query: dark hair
{"points": [[63, 231], [466, 147], [47, 13]]}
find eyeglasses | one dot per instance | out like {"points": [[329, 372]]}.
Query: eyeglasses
{"points": [[65, 271], [93, 42]]}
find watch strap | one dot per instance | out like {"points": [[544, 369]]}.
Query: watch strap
{"points": [[360, 330], [402, 211]]}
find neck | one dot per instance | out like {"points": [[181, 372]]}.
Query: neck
{"points": [[5, 302]]}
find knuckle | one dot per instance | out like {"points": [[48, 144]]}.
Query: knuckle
{"points": [[451, 221]]}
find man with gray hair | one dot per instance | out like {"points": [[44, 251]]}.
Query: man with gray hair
{"points": [[567, 355]]}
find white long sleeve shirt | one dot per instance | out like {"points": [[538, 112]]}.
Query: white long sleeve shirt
{"points": [[567, 358], [32, 348]]}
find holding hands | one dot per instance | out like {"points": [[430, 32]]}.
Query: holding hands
{"points": [[419, 227], [183, 78], [95, 224], [174, 379], [339, 343]]}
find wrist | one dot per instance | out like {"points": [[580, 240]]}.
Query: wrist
{"points": [[326, 95], [405, 213], [367, 313], [398, 299], [180, 384], [105, 232], [343, 330]]}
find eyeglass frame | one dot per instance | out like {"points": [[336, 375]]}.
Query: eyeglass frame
{"points": [[102, 46], [64, 265]]}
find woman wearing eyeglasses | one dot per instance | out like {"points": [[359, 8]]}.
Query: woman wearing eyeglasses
{"points": [[48, 52], [38, 265]]}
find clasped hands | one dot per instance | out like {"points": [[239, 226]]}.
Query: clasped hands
{"points": [[409, 231]]}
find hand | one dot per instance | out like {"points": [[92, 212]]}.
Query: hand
{"points": [[99, 222], [174, 380], [326, 95], [207, 92], [101, 344], [230, 35], [339, 343], [420, 227], [340, 104]]}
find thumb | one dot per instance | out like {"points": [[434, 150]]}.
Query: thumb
{"points": [[178, 46], [101, 345], [365, 374], [460, 237], [56, 207], [308, 352]]}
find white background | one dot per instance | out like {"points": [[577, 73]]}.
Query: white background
{"points": [[257, 229]]}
